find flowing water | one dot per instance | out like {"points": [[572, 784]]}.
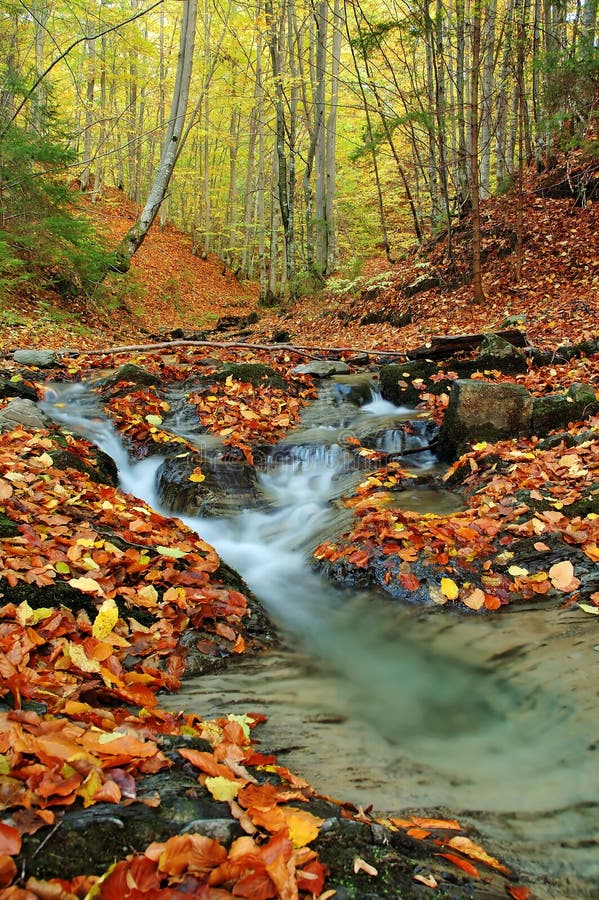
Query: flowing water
{"points": [[389, 705]]}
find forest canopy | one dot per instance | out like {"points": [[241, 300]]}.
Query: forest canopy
{"points": [[313, 131]]}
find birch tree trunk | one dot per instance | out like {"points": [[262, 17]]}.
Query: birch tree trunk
{"points": [[137, 233], [479, 295]]}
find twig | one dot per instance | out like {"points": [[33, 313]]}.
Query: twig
{"points": [[47, 838]]}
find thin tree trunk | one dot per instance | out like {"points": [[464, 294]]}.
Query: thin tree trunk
{"points": [[479, 295], [137, 233]]}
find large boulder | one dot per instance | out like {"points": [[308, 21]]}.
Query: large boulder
{"points": [[397, 381], [479, 410], [497, 353]]}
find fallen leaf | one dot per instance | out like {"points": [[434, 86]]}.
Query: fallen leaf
{"points": [[561, 575], [449, 588], [222, 788], [469, 848], [108, 616], [360, 865]]}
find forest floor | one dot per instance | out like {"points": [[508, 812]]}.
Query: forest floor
{"points": [[99, 593], [557, 294]]}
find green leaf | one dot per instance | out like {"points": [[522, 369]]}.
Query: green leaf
{"points": [[153, 420], [63, 568], [171, 551]]}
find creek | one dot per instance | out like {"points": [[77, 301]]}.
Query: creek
{"points": [[489, 718]]}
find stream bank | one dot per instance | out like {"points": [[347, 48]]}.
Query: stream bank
{"points": [[483, 688]]}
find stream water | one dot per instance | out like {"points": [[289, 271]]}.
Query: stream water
{"points": [[493, 717]]}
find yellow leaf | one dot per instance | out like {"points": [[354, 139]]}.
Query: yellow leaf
{"points": [[303, 826], [90, 787], [517, 570], [222, 788], [480, 445], [4, 764], [587, 608], [79, 658], [28, 616], [196, 476], [108, 616], [86, 585], [449, 588]]}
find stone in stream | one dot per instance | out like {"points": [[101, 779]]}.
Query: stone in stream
{"points": [[482, 411], [323, 368], [41, 359], [19, 411], [229, 484]]}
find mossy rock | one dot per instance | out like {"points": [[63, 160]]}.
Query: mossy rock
{"points": [[397, 381], [256, 374], [103, 472], [8, 528], [130, 372], [558, 410]]}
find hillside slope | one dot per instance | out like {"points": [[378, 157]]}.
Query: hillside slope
{"points": [[557, 294]]}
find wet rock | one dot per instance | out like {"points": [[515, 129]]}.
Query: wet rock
{"points": [[323, 368], [41, 359], [103, 472], [357, 390], [133, 373], [229, 485], [557, 410], [397, 381], [497, 353], [479, 410], [10, 388], [253, 373], [19, 411]]}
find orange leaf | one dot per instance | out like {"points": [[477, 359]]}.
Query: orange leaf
{"points": [[8, 870], [462, 864], [469, 848], [518, 892], [10, 840], [447, 824], [419, 833], [562, 576]]}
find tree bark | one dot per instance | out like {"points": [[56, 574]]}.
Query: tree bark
{"points": [[137, 233]]}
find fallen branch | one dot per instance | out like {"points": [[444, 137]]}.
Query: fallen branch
{"points": [[310, 352]]}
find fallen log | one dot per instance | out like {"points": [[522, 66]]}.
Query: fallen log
{"points": [[444, 346]]}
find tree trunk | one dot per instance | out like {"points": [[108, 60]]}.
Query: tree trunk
{"points": [[137, 233], [479, 295]]}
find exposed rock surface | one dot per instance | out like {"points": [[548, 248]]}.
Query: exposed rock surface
{"points": [[479, 410], [323, 368], [41, 359], [229, 484], [19, 411]]}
